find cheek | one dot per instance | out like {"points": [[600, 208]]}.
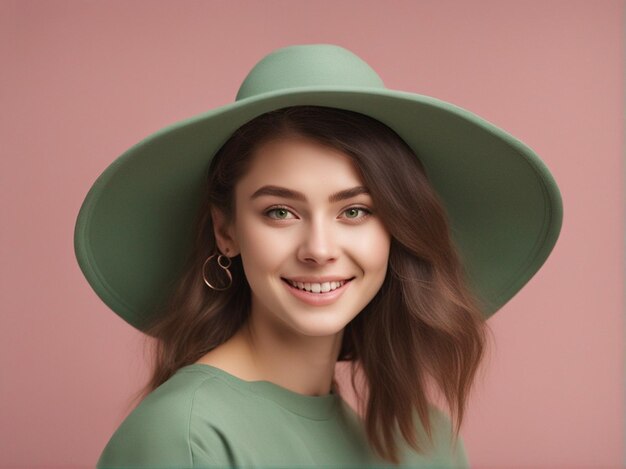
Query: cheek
{"points": [[261, 244], [372, 246]]}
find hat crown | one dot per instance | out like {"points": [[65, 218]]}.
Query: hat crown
{"points": [[308, 65]]}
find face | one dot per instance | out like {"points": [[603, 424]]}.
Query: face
{"points": [[288, 227]]}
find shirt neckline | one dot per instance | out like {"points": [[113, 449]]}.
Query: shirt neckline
{"points": [[311, 407]]}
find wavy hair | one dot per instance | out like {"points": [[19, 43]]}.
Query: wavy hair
{"points": [[424, 324]]}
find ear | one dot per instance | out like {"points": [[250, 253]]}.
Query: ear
{"points": [[224, 234]]}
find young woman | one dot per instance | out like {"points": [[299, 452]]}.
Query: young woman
{"points": [[318, 237]]}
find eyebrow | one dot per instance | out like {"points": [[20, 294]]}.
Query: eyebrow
{"points": [[291, 194]]}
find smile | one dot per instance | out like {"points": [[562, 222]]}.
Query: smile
{"points": [[317, 294], [317, 287]]}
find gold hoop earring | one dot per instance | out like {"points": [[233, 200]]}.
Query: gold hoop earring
{"points": [[225, 267]]}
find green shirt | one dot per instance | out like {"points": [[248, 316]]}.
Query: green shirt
{"points": [[205, 417]]}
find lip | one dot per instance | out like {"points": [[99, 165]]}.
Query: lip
{"points": [[323, 279], [317, 299]]}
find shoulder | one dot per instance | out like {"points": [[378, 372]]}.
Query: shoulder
{"points": [[161, 430], [445, 451], [447, 447]]}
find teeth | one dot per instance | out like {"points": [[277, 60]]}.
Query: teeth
{"points": [[317, 287]]}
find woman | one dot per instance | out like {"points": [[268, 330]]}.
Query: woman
{"points": [[318, 238]]}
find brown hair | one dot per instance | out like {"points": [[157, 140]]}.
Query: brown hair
{"points": [[423, 324]]}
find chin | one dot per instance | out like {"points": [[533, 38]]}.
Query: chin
{"points": [[318, 327]]}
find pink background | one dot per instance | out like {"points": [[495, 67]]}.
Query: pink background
{"points": [[82, 81]]}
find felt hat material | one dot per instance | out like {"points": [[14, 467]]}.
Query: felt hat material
{"points": [[133, 230]]}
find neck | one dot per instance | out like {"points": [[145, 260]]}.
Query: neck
{"points": [[302, 364]]}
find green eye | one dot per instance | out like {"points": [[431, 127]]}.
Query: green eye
{"points": [[353, 213], [281, 213]]}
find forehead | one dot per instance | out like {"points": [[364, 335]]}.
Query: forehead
{"points": [[299, 164]]}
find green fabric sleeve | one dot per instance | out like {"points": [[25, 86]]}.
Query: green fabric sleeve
{"points": [[455, 449], [157, 434]]}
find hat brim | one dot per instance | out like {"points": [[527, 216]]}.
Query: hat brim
{"points": [[134, 228]]}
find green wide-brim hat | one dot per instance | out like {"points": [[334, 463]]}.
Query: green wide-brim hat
{"points": [[134, 229]]}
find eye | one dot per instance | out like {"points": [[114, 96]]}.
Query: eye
{"points": [[352, 213], [281, 213]]}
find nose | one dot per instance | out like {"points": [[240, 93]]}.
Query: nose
{"points": [[318, 245]]}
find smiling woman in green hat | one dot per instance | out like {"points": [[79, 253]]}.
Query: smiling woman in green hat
{"points": [[321, 217]]}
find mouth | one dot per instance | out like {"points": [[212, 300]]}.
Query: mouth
{"points": [[317, 294], [315, 287]]}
